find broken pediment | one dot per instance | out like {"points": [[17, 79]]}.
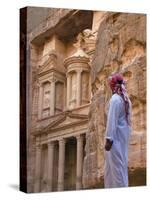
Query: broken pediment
{"points": [[66, 120], [48, 64]]}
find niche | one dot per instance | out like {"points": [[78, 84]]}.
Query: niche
{"points": [[46, 100], [59, 97]]}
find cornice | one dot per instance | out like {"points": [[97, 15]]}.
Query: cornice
{"points": [[53, 125], [78, 59]]}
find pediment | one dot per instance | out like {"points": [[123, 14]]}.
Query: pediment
{"points": [[67, 120], [46, 66], [50, 65]]}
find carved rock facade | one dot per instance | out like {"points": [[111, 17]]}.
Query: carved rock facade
{"points": [[70, 60]]}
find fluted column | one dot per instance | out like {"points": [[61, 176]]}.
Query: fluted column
{"points": [[79, 87], [52, 99], [37, 183], [79, 162], [61, 164], [68, 89], [50, 163], [40, 101]]}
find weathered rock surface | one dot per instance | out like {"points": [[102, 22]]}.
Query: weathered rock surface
{"points": [[120, 47]]}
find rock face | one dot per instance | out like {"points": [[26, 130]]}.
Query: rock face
{"points": [[120, 47], [94, 159]]}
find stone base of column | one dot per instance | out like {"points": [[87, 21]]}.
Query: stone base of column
{"points": [[60, 186], [79, 183]]}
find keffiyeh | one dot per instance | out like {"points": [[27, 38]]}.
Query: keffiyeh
{"points": [[117, 85]]}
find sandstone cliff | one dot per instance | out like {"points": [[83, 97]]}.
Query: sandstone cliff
{"points": [[120, 47]]}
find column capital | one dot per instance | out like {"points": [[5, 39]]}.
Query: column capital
{"points": [[53, 80], [62, 140], [68, 74], [39, 84], [38, 146], [50, 143], [79, 138], [79, 71]]}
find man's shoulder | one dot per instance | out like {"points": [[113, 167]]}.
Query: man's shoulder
{"points": [[115, 98]]}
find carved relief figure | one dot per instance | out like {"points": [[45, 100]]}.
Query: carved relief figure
{"points": [[74, 87], [46, 100], [46, 96], [85, 86], [88, 33], [59, 97]]}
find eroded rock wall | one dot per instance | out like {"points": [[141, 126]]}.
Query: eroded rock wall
{"points": [[120, 47]]}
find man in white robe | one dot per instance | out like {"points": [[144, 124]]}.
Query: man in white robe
{"points": [[118, 130]]}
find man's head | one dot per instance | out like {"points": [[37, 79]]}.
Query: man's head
{"points": [[117, 85], [115, 81]]}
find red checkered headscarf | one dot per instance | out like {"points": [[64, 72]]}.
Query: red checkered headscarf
{"points": [[117, 85]]}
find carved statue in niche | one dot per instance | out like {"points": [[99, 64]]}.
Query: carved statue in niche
{"points": [[46, 100], [74, 86], [86, 40], [59, 97], [46, 95], [79, 41], [85, 86], [88, 33]]}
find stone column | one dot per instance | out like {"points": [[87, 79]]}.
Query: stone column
{"points": [[37, 183], [50, 163], [79, 87], [40, 101], [61, 164], [79, 162], [52, 99], [68, 89]]}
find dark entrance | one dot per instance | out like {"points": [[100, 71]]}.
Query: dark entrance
{"points": [[70, 164]]}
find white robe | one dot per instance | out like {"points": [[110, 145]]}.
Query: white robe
{"points": [[117, 129]]}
